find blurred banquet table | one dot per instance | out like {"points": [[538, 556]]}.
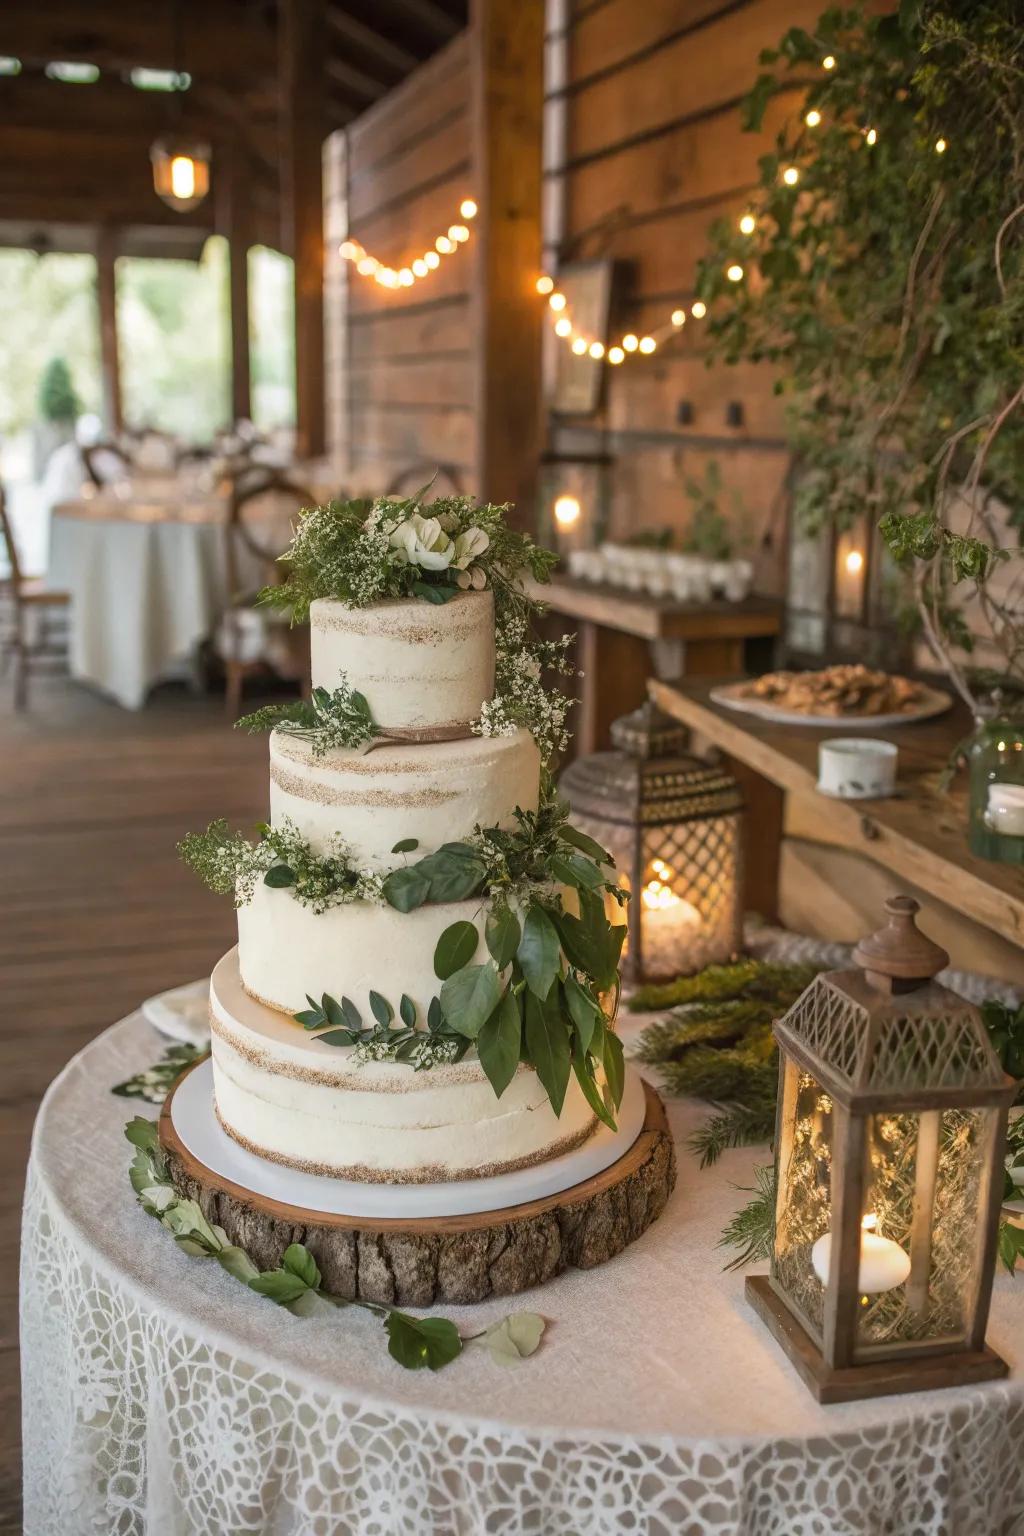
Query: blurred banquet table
{"points": [[162, 1397], [148, 581]]}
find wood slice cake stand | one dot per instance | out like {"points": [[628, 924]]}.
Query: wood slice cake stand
{"points": [[418, 1263]]}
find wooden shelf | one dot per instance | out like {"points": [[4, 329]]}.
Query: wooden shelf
{"points": [[659, 618], [918, 833]]}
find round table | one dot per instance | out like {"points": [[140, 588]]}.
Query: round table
{"points": [[161, 1397]]}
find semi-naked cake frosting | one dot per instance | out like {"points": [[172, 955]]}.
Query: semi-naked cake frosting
{"points": [[425, 670]]}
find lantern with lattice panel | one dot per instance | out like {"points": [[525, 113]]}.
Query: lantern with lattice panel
{"points": [[673, 824], [889, 1154]]}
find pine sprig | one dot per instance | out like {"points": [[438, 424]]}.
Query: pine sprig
{"points": [[741, 979], [752, 1229], [733, 1125], [326, 720]]}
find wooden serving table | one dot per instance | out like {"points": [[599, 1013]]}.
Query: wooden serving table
{"points": [[624, 637], [918, 833]]}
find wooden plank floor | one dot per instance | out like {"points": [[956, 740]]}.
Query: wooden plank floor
{"points": [[96, 911]]}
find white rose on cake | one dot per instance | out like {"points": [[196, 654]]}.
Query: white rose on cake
{"points": [[423, 542]]}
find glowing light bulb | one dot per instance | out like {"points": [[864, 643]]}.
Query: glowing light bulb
{"points": [[458, 233], [828, 62], [647, 344], [420, 267], [630, 342], [367, 266], [557, 302], [871, 136], [405, 277], [748, 224], [563, 327], [567, 511], [348, 250], [468, 208], [679, 317], [812, 118], [698, 310], [432, 260], [941, 146], [579, 346], [183, 177], [596, 350], [791, 175], [855, 562], [615, 354], [734, 273], [444, 245], [545, 284]]}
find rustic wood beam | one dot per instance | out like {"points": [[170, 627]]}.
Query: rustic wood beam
{"points": [[354, 82], [106, 292], [507, 41], [382, 50], [232, 207], [303, 48], [433, 18]]}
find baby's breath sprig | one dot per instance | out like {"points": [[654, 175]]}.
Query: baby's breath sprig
{"points": [[326, 720], [228, 863]]}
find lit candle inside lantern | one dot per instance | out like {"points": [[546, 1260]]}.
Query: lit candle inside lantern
{"points": [[883, 1263], [669, 922]]}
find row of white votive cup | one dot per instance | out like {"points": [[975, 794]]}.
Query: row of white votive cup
{"points": [[663, 572]]}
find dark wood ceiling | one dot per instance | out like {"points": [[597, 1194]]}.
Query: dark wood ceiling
{"points": [[74, 154]]}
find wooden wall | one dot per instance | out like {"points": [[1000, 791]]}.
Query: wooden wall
{"points": [[645, 149], [399, 362]]}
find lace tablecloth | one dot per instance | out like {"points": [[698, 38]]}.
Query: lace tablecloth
{"points": [[161, 1397]]}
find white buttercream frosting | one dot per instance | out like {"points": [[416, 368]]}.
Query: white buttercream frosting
{"points": [[291, 1097], [419, 664], [435, 792]]}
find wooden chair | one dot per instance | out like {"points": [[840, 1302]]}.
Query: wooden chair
{"points": [[247, 540], [447, 482], [27, 606], [105, 462]]}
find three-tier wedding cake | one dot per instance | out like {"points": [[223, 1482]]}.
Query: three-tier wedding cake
{"points": [[422, 985]]}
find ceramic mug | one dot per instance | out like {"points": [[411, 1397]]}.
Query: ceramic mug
{"points": [[856, 767]]}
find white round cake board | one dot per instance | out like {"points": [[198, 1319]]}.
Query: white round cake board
{"points": [[192, 1116]]}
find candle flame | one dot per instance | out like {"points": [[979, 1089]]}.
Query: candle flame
{"points": [[870, 1222]]}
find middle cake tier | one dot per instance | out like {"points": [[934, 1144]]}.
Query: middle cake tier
{"points": [[435, 792]]}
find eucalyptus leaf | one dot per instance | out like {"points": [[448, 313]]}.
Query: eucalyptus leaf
{"points": [[502, 934], [587, 845], [547, 1042], [310, 1018], [339, 1037], [514, 1338], [614, 1066], [455, 872], [455, 948], [353, 1018], [575, 869], [470, 997], [406, 845], [237, 1263], [583, 1010], [420, 1343], [498, 1043], [539, 950], [435, 1016], [407, 1010], [406, 889], [591, 1091], [334, 1011], [298, 1260], [279, 1285], [279, 877]]}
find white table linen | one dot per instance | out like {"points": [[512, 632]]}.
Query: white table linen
{"points": [[148, 582], [160, 1397]]}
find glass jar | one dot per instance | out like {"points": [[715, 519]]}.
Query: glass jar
{"points": [[995, 756]]}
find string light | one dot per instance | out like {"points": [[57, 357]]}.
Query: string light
{"points": [[940, 146], [678, 317], [420, 267], [579, 346], [813, 118], [871, 136], [615, 355], [791, 175], [563, 326], [545, 284], [828, 62], [748, 224], [596, 350], [630, 342], [734, 273], [698, 309], [557, 302], [647, 344]]}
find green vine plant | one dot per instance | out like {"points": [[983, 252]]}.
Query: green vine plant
{"points": [[881, 269], [417, 1343]]}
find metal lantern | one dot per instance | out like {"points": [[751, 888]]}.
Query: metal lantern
{"points": [[181, 172], [889, 1154], [673, 825]]}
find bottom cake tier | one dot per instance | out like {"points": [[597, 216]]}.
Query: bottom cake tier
{"points": [[287, 1096]]}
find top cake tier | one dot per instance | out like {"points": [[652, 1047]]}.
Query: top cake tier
{"points": [[419, 665]]}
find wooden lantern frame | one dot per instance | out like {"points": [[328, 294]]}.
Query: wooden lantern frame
{"points": [[887, 1040]]}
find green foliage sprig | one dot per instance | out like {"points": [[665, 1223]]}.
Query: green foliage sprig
{"points": [[537, 997], [326, 720], [155, 1082], [885, 278], [417, 1343], [384, 1040], [229, 864]]}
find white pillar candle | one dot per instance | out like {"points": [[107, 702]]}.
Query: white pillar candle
{"points": [[1005, 813], [883, 1263], [669, 925]]}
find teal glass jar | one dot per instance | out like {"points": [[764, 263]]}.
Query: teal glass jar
{"points": [[995, 756]]}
